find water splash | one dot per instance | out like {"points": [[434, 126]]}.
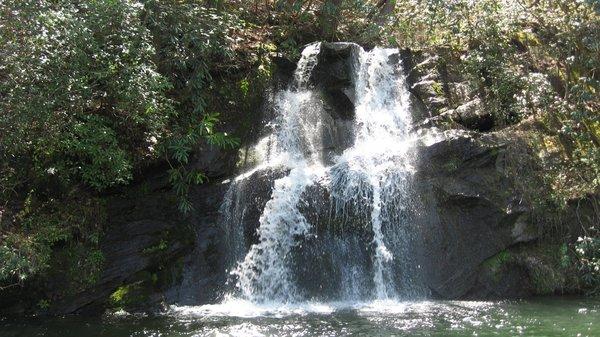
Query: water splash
{"points": [[264, 274], [376, 167], [368, 184]]}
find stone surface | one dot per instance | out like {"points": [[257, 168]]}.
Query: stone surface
{"points": [[473, 115], [470, 209]]}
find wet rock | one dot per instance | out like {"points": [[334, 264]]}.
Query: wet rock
{"points": [[285, 68], [140, 219], [333, 74], [428, 97], [213, 161]]}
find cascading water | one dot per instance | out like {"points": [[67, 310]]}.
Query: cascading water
{"points": [[368, 185], [382, 119]]}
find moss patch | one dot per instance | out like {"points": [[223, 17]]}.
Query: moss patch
{"points": [[129, 296], [494, 265], [548, 267]]}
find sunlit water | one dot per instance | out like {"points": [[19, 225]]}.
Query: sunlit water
{"points": [[367, 185], [543, 317]]}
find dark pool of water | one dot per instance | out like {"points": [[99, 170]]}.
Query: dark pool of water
{"points": [[540, 317]]}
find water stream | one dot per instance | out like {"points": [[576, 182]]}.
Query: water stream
{"points": [[369, 180]]}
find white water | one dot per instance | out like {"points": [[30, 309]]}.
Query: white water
{"points": [[370, 180], [382, 121], [247, 309]]}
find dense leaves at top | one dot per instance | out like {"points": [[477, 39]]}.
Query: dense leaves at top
{"points": [[81, 95]]}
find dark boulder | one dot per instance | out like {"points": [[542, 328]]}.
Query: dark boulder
{"points": [[471, 210], [333, 75]]}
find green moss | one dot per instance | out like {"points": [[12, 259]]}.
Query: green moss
{"points": [[495, 264], [43, 304], [244, 86], [77, 267], [147, 284], [452, 164], [545, 279], [119, 295], [438, 89], [494, 151], [161, 246], [130, 296], [565, 259], [550, 267]]}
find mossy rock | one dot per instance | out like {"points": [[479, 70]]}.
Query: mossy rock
{"points": [[133, 295], [549, 268], [497, 264]]}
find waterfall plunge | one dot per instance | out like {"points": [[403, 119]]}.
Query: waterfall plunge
{"points": [[369, 180]]}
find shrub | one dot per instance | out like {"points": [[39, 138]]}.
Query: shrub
{"points": [[588, 252]]}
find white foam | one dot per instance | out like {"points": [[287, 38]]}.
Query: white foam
{"points": [[371, 176], [233, 307], [247, 309]]}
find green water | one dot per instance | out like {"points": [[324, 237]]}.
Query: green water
{"points": [[543, 317]]}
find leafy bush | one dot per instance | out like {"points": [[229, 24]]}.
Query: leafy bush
{"points": [[588, 252], [90, 93], [80, 100], [190, 37]]}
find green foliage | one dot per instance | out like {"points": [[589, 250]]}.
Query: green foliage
{"points": [[524, 59], [190, 37], [588, 254], [295, 23], [81, 265], [91, 93], [20, 258], [180, 148], [81, 99], [121, 297], [28, 250]]}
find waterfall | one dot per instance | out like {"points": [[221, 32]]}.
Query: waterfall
{"points": [[368, 187]]}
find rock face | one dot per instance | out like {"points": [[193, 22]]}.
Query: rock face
{"points": [[472, 209], [139, 223], [333, 75], [442, 97], [473, 116]]}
